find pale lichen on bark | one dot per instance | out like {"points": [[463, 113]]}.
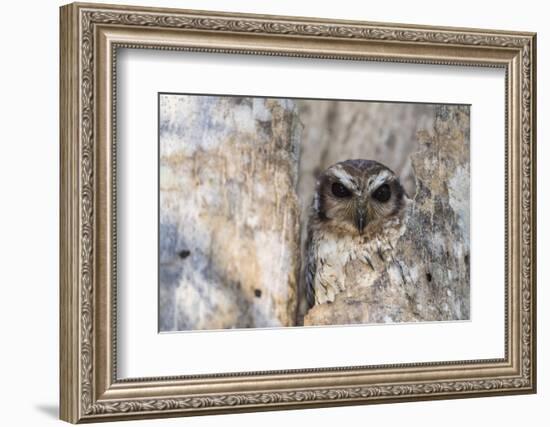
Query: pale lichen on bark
{"points": [[422, 274]]}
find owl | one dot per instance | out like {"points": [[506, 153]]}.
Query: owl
{"points": [[358, 214]]}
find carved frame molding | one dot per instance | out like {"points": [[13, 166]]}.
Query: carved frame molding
{"points": [[90, 36]]}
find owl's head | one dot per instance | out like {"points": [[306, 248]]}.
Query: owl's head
{"points": [[357, 195]]}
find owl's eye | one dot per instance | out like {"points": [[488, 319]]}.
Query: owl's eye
{"points": [[382, 193], [340, 190]]}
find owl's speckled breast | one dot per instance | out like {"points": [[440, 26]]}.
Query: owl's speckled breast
{"points": [[344, 259]]}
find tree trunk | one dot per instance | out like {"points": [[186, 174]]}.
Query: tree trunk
{"points": [[229, 213]]}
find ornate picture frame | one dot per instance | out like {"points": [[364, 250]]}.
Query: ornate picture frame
{"points": [[90, 37]]}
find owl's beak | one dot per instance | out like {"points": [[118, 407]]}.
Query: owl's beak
{"points": [[361, 221]]}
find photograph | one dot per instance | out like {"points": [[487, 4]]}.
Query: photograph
{"points": [[277, 212], [261, 211]]}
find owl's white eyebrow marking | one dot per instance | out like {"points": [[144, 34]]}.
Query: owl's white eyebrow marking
{"points": [[344, 178], [375, 181]]}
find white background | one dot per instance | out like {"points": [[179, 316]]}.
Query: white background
{"points": [[29, 174], [145, 353]]}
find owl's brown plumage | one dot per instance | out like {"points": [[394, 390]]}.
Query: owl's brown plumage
{"points": [[357, 213]]}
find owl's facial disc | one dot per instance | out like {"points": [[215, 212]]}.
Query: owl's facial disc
{"points": [[353, 196]]}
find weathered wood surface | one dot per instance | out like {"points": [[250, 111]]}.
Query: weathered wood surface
{"points": [[421, 273], [229, 212]]}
